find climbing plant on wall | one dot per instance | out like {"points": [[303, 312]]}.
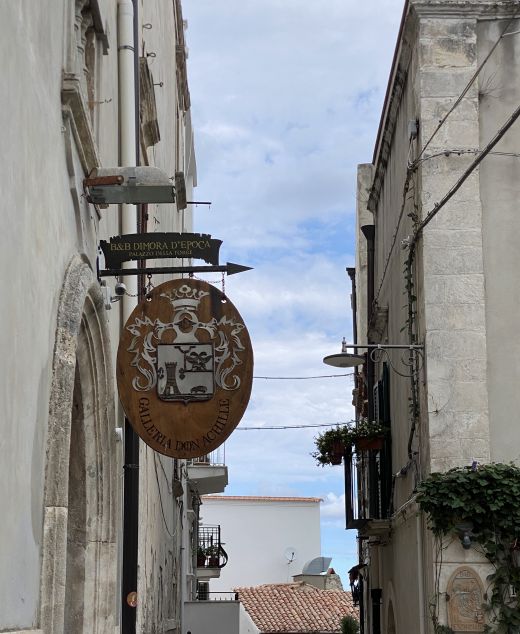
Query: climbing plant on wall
{"points": [[485, 501]]}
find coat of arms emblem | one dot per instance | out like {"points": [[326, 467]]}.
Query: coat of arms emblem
{"points": [[185, 371], [184, 368], [187, 368]]}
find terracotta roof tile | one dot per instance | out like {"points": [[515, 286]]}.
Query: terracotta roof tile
{"points": [[291, 608]]}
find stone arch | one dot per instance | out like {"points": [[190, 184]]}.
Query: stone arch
{"points": [[390, 620], [391, 629], [80, 489]]}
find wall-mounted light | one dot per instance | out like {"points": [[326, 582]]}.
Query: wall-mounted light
{"points": [[128, 185], [464, 531], [344, 359], [349, 360]]}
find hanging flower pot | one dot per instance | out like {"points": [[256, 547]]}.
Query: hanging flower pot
{"points": [[373, 443], [333, 444]]}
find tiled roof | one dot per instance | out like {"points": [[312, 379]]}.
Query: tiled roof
{"points": [[290, 608], [258, 498]]}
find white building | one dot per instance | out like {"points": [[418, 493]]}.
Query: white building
{"points": [[267, 539], [71, 551]]}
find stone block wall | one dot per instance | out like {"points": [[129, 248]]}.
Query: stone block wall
{"points": [[452, 307]]}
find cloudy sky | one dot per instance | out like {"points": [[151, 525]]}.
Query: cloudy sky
{"points": [[286, 100]]}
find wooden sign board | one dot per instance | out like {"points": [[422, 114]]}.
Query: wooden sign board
{"points": [[185, 368], [147, 246]]}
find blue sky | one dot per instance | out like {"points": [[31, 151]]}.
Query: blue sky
{"points": [[286, 100]]}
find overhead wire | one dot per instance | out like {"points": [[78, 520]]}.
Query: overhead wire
{"points": [[465, 175], [303, 378], [293, 426], [461, 151], [413, 165]]}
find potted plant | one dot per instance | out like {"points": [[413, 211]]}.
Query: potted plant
{"points": [[213, 556], [201, 557], [335, 443], [349, 625], [369, 435], [331, 446]]}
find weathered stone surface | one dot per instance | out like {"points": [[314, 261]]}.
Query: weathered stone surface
{"points": [[77, 280], [454, 261], [449, 425], [88, 459], [446, 83], [456, 316], [465, 289], [447, 52], [436, 108], [448, 28], [445, 344], [459, 451], [53, 575], [453, 238], [463, 211]]}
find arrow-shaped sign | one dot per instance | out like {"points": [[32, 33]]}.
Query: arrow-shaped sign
{"points": [[230, 268]]}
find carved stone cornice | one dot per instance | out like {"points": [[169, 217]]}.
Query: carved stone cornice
{"points": [[74, 106], [395, 89], [482, 9]]}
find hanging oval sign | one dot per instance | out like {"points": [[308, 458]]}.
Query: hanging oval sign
{"points": [[184, 368]]}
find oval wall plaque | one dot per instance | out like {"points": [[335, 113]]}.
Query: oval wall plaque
{"points": [[466, 595], [184, 368]]}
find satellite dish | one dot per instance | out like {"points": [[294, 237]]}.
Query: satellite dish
{"points": [[290, 554], [316, 566]]}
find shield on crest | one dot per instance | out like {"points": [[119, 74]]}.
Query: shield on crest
{"points": [[185, 372]]}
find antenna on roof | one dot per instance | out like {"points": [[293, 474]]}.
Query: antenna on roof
{"points": [[290, 554]]}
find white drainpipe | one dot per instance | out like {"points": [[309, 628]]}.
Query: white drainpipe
{"points": [[127, 148]]}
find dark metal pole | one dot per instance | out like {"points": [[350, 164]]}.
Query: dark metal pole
{"points": [[375, 595], [349, 502], [131, 467]]}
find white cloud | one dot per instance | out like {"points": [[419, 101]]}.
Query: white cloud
{"points": [[333, 506], [286, 99]]}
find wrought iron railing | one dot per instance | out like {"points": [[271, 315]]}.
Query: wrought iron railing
{"points": [[210, 550], [216, 458]]}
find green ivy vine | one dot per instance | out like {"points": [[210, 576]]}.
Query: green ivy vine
{"points": [[487, 499]]}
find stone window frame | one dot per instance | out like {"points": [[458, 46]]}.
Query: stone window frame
{"points": [[84, 27]]}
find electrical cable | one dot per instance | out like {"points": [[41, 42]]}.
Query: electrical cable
{"points": [[293, 426], [438, 206], [160, 500], [302, 378], [439, 126], [460, 151], [470, 83]]}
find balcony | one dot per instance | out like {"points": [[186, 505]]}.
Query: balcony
{"points": [[368, 479], [211, 556], [208, 474]]}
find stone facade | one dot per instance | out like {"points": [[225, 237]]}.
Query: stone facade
{"points": [[62, 460], [464, 278]]}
